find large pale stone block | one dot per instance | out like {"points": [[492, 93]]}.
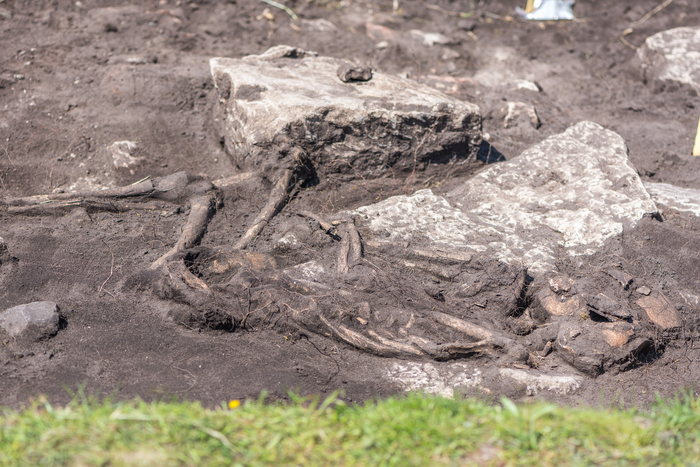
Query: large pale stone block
{"points": [[672, 55], [271, 105], [569, 194]]}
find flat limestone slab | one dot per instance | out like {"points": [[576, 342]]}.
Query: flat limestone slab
{"points": [[535, 382], [678, 198], [449, 379], [673, 55], [433, 378], [568, 194], [271, 104]]}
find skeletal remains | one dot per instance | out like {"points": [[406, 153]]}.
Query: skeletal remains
{"points": [[360, 289]]}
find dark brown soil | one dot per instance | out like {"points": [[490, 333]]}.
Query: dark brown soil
{"points": [[77, 76]]}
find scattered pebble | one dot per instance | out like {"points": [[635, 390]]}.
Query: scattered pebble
{"points": [[466, 24], [121, 153], [529, 85], [379, 32], [348, 72], [321, 25], [515, 110], [431, 38], [450, 54]]}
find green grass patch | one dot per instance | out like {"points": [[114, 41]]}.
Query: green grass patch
{"points": [[412, 430]]}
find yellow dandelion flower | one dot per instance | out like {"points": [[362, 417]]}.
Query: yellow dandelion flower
{"points": [[234, 404]]}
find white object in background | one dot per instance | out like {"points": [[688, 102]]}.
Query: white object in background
{"points": [[549, 10]]}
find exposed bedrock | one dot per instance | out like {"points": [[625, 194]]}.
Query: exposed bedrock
{"points": [[287, 98]]}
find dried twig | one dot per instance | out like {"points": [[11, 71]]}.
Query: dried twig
{"points": [[487, 339], [641, 21], [442, 10], [8, 156], [625, 41], [462, 348], [355, 254], [282, 7], [111, 271], [646, 17], [471, 330]]}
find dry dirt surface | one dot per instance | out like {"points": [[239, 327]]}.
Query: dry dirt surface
{"points": [[76, 77]]}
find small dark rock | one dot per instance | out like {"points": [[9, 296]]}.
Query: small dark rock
{"points": [[348, 72], [434, 292], [622, 277], [606, 307], [521, 326], [489, 154], [580, 351], [6, 81], [543, 335]]}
